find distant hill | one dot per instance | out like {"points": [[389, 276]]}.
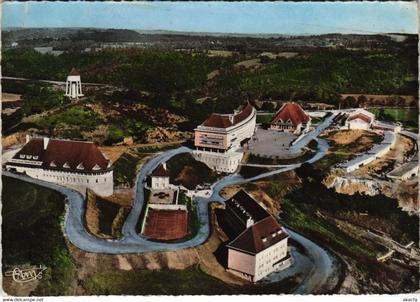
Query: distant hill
{"points": [[80, 38]]}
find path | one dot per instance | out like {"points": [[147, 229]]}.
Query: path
{"points": [[132, 242], [48, 81], [306, 138]]}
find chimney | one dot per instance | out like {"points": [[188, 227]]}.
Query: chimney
{"points": [[46, 141], [249, 222], [28, 138]]}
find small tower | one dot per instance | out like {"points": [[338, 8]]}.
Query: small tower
{"points": [[73, 85]]}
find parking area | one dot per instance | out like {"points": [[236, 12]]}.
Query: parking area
{"points": [[270, 143]]}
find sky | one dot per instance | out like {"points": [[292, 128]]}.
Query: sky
{"points": [[223, 17]]}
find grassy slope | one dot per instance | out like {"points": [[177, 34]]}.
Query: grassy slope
{"points": [[32, 234], [173, 282], [301, 217], [193, 219], [192, 172], [125, 168], [407, 116], [399, 114]]}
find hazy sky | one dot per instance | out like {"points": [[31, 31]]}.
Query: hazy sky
{"points": [[230, 17]]}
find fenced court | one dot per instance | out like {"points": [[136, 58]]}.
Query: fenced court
{"points": [[166, 224]]}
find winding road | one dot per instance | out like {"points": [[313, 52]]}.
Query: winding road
{"points": [[132, 242]]}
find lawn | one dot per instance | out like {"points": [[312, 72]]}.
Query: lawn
{"points": [[407, 116], [192, 281], [32, 234], [193, 219]]}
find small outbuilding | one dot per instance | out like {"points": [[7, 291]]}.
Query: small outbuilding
{"points": [[159, 179], [359, 119]]}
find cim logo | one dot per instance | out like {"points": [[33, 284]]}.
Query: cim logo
{"points": [[26, 274]]}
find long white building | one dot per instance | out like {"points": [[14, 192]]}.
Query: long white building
{"points": [[76, 164], [218, 139]]}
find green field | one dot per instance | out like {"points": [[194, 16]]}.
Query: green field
{"points": [[407, 116], [32, 234], [192, 281]]}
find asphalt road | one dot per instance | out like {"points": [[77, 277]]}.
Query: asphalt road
{"points": [[135, 243], [312, 134]]}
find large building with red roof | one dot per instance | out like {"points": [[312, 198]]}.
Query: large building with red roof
{"points": [[220, 135], [260, 244], [76, 164], [291, 118]]}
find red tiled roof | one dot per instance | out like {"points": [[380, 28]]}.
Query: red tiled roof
{"points": [[217, 120], [86, 155], [74, 72], [160, 171], [360, 116], [259, 236], [291, 111]]}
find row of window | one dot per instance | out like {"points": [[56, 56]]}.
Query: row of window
{"points": [[70, 179], [23, 156]]}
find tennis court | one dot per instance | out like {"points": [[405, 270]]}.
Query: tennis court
{"points": [[166, 224]]}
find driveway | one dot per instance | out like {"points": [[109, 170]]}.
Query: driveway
{"points": [[132, 242]]}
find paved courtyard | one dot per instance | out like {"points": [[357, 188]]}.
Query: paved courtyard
{"points": [[269, 143]]}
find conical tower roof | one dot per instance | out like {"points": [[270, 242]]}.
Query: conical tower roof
{"points": [[74, 72]]}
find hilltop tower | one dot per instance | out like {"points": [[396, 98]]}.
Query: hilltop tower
{"points": [[74, 85]]}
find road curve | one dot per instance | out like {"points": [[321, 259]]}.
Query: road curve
{"points": [[134, 243]]}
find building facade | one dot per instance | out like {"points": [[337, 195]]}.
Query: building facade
{"points": [[159, 179], [76, 164], [360, 119], [291, 118], [219, 138], [260, 248]]}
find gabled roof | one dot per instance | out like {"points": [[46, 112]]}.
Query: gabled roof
{"points": [[242, 200], [360, 116], [217, 120], [74, 72], [259, 236], [60, 154], [292, 112], [160, 171]]}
